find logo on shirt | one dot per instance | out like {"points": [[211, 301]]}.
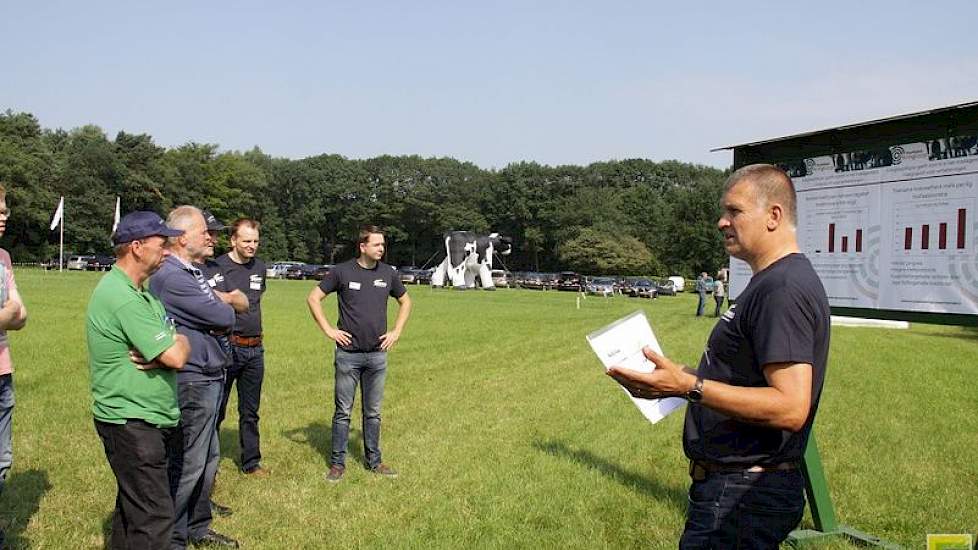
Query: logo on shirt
{"points": [[354, 285], [215, 279], [729, 314], [380, 283], [254, 282]]}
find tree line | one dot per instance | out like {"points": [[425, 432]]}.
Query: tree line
{"points": [[620, 217]]}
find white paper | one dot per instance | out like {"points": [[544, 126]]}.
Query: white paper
{"points": [[620, 344]]}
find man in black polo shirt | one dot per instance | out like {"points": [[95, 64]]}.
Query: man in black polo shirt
{"points": [[362, 341], [754, 396], [244, 272]]}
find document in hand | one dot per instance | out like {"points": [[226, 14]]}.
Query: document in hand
{"points": [[620, 344]]}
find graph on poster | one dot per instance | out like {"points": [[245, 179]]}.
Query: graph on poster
{"points": [[897, 233]]}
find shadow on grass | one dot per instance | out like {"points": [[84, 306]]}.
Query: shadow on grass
{"points": [[675, 496], [22, 495], [228, 441], [319, 436]]}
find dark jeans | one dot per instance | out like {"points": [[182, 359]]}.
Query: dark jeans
{"points": [[701, 304], [248, 369], [368, 369], [192, 471], [743, 510], [138, 454], [719, 301]]}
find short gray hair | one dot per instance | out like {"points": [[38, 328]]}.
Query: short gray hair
{"points": [[182, 217]]}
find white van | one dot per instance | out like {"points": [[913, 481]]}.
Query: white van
{"points": [[679, 282]]}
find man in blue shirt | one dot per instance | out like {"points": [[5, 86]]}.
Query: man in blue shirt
{"points": [[202, 317]]}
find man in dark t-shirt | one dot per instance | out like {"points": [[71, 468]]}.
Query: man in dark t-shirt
{"points": [[754, 396], [244, 272], [362, 341]]}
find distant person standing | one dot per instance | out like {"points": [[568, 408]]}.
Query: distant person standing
{"points": [[362, 285], [244, 272], [701, 290], [13, 316], [718, 296], [133, 353], [202, 317]]}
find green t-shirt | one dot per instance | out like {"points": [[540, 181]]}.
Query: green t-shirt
{"points": [[121, 317]]}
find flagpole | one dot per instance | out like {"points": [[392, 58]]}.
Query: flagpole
{"points": [[61, 261]]}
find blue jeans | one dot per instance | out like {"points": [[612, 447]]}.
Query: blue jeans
{"points": [[368, 369], [6, 429], [743, 510], [248, 369], [701, 305], [192, 474]]}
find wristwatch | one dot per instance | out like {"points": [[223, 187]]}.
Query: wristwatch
{"points": [[695, 395]]}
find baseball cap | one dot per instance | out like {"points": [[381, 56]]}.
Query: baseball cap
{"points": [[213, 224], [141, 224]]}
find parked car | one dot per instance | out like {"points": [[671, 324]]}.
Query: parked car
{"points": [[423, 277], [601, 286], [277, 270], [679, 282], [500, 278], [321, 272], [100, 263], [300, 272], [78, 263], [667, 287], [568, 280], [538, 281], [643, 288], [51, 263], [409, 274]]}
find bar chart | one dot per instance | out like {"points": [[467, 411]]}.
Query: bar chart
{"points": [[933, 227]]}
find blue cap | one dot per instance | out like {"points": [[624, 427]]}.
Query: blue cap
{"points": [[139, 225]]}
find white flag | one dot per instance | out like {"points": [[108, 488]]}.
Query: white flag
{"points": [[115, 222], [58, 214]]}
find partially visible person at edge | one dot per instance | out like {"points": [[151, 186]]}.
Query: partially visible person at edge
{"points": [[244, 272], [719, 295], [755, 394], [362, 286], [212, 272], [201, 316], [133, 355], [13, 316]]}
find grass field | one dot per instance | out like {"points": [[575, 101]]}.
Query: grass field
{"points": [[504, 428]]}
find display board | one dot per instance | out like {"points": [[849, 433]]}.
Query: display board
{"points": [[891, 227]]}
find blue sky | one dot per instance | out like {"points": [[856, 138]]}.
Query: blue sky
{"points": [[487, 82]]}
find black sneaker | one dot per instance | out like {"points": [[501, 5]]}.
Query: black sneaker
{"points": [[384, 470], [335, 473], [220, 510], [215, 540]]}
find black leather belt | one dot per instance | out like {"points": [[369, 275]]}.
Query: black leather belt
{"points": [[699, 470], [246, 341]]}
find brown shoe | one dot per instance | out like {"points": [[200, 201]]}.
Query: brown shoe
{"points": [[384, 470], [257, 472], [335, 473]]}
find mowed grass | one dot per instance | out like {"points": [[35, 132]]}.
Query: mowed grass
{"points": [[505, 430]]}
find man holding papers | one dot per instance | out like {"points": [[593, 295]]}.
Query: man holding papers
{"points": [[753, 398]]}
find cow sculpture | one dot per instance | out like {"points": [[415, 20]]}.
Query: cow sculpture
{"points": [[468, 255]]}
